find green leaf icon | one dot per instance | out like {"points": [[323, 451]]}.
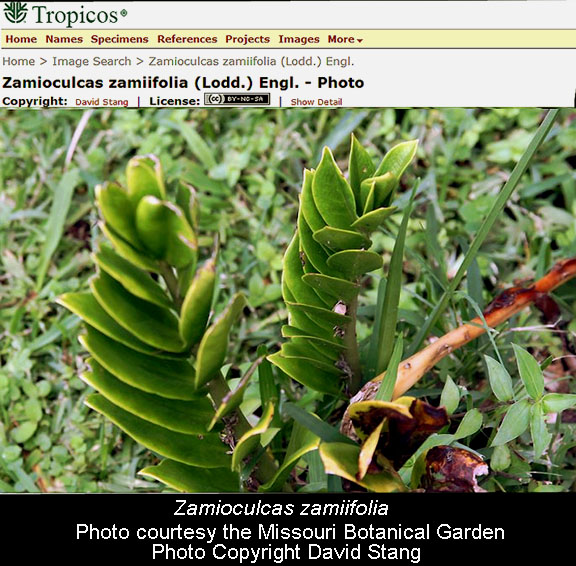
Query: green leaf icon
{"points": [[16, 12]]}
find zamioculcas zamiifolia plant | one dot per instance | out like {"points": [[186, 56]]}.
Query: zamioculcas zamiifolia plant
{"points": [[156, 347], [324, 267], [326, 261]]}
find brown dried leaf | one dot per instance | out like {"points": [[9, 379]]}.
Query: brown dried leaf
{"points": [[408, 423], [453, 469]]}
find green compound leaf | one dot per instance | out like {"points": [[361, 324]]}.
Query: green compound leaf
{"points": [[373, 220], [341, 289], [187, 200], [374, 191], [165, 232], [514, 424], [249, 441], [321, 315], [144, 177], [292, 278], [301, 320], [150, 323], [337, 239], [214, 345], [128, 252], [312, 254], [191, 479], [319, 346], [135, 280], [302, 371], [299, 352], [307, 205], [360, 167], [354, 263], [203, 450], [293, 332], [173, 379], [197, 303], [333, 196], [88, 309], [118, 212], [181, 416]]}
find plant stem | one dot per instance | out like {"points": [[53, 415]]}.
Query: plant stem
{"points": [[172, 283], [351, 352], [218, 388]]}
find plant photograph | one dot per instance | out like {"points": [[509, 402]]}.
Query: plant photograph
{"points": [[288, 300]]}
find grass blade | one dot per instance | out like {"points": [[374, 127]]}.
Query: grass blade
{"points": [[382, 341], [486, 226], [315, 425], [386, 389], [56, 220]]}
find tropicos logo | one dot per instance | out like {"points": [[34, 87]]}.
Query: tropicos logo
{"points": [[17, 13]]}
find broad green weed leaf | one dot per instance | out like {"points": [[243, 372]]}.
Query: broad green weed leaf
{"points": [[530, 372], [500, 380], [558, 402], [470, 424], [450, 397], [541, 437], [514, 424]]}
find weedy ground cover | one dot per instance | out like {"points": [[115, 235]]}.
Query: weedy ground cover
{"points": [[507, 396]]}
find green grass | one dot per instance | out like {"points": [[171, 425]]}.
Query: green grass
{"points": [[247, 166]]}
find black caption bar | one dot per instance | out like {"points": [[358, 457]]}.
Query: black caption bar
{"points": [[226, 99], [286, 529]]}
